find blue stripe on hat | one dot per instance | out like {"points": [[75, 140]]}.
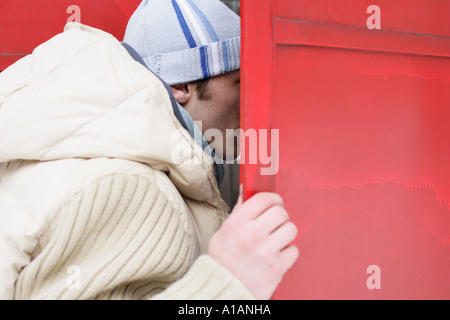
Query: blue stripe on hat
{"points": [[226, 58], [184, 26], [204, 60], [205, 21]]}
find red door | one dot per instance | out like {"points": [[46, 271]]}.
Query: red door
{"points": [[25, 24], [349, 102]]}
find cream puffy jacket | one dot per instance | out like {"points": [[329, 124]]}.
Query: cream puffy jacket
{"points": [[103, 193]]}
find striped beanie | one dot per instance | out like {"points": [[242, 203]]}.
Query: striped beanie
{"points": [[185, 40]]}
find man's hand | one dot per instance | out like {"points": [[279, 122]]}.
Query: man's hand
{"points": [[253, 243]]}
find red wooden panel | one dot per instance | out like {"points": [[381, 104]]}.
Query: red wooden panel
{"points": [[24, 24], [295, 32], [413, 16], [364, 165], [256, 84]]}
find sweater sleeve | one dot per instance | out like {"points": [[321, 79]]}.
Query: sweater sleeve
{"points": [[122, 238], [206, 280]]}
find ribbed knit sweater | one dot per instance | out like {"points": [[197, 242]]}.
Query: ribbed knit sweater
{"points": [[122, 238]]}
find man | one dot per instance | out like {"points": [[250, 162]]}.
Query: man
{"points": [[107, 191]]}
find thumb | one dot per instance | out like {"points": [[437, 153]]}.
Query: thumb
{"points": [[240, 198]]}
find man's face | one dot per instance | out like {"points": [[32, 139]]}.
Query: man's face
{"points": [[218, 112]]}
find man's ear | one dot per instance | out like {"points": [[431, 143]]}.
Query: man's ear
{"points": [[182, 92]]}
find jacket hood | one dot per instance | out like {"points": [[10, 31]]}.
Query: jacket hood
{"points": [[81, 95]]}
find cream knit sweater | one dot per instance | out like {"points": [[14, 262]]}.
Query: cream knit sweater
{"points": [[125, 240]]}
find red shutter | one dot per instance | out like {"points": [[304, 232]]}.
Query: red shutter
{"points": [[364, 141]]}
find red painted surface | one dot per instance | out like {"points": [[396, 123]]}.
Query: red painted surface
{"points": [[364, 159], [25, 24], [413, 16]]}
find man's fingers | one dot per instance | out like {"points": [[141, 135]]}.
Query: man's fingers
{"points": [[259, 203], [254, 243], [271, 220], [283, 236], [240, 198], [288, 257]]}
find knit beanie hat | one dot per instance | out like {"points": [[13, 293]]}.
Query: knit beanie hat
{"points": [[185, 40]]}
